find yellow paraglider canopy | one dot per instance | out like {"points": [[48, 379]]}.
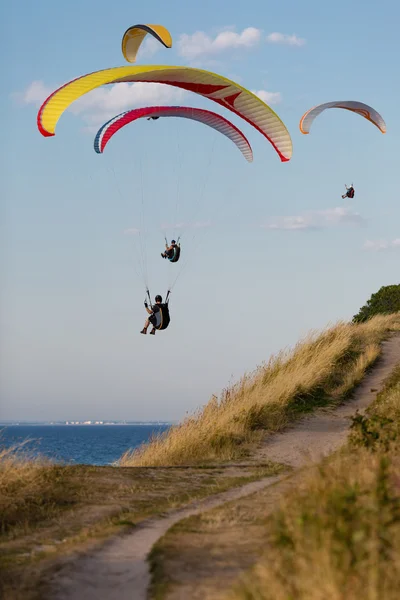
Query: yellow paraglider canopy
{"points": [[134, 36]]}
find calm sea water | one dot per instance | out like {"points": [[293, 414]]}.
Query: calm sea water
{"points": [[80, 444]]}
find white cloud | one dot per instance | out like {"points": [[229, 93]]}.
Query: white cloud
{"points": [[381, 244], [317, 219], [36, 93], [131, 231], [285, 39], [199, 44], [268, 97], [290, 223], [104, 103]]}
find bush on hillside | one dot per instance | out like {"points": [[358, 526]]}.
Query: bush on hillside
{"points": [[386, 301]]}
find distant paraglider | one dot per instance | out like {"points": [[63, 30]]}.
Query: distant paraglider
{"points": [[206, 117], [359, 108], [349, 192], [134, 36], [173, 251], [106, 132]]}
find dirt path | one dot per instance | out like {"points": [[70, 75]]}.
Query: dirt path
{"points": [[120, 571], [324, 431]]}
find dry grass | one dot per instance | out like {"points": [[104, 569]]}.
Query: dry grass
{"points": [[379, 429], [337, 538], [31, 489], [337, 535], [321, 369], [49, 512], [338, 526]]}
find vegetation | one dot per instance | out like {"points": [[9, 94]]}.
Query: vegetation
{"points": [[31, 489], [322, 369], [385, 301], [48, 511], [338, 536]]}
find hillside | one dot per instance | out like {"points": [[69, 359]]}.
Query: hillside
{"points": [[53, 514], [321, 370]]}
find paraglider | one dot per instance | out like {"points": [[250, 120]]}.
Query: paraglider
{"points": [[349, 193], [134, 36], [206, 117], [172, 252], [359, 108], [221, 90], [159, 315], [365, 111]]}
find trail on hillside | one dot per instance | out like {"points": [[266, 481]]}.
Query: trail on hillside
{"points": [[324, 431], [119, 570]]}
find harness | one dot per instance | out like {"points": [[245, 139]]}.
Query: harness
{"points": [[161, 318], [176, 254]]}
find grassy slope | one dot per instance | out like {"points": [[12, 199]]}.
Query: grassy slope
{"points": [[51, 510], [339, 535], [335, 535], [322, 369], [48, 512]]}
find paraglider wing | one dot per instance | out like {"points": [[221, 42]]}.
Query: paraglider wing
{"points": [[357, 107], [225, 92], [134, 36], [211, 119]]}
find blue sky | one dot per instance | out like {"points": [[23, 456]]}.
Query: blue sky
{"points": [[71, 304]]}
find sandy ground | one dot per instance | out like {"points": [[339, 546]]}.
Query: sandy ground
{"points": [[119, 571]]}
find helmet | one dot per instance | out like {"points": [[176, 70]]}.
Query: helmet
{"points": [[158, 298], [173, 242]]}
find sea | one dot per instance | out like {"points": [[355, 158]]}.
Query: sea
{"points": [[79, 444]]}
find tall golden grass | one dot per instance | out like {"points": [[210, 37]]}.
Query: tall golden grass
{"points": [[323, 367], [31, 488], [337, 536]]}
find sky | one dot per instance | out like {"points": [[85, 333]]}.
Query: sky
{"points": [[269, 249]]}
